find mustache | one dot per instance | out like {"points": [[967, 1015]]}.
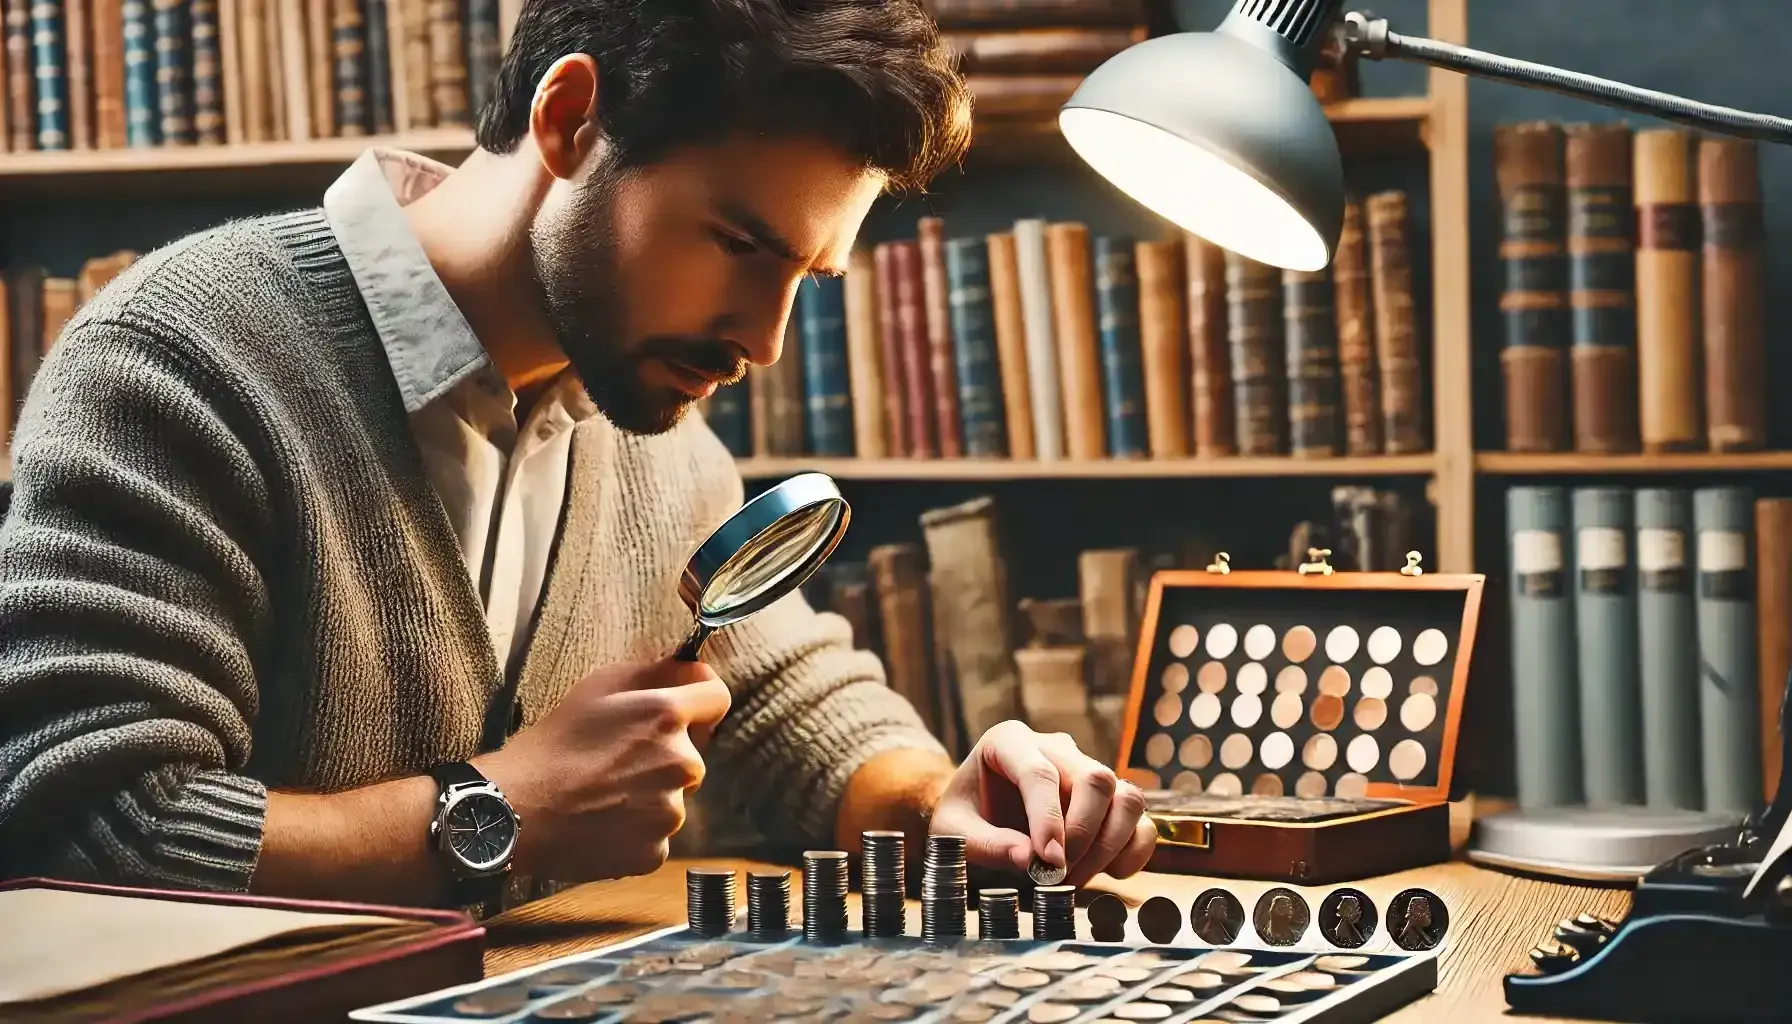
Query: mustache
{"points": [[711, 357]]}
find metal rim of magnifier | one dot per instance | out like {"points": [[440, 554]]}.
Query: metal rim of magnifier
{"points": [[802, 491]]}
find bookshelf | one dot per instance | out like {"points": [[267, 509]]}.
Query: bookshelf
{"points": [[1090, 469], [1580, 464]]}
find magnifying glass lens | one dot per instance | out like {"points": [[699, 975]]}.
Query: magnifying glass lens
{"points": [[768, 559]]}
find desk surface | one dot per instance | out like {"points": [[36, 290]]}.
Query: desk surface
{"points": [[1494, 921]]}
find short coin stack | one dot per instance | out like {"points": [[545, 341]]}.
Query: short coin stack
{"points": [[944, 890], [768, 903], [882, 883], [998, 914], [1054, 912], [824, 895], [709, 898]]}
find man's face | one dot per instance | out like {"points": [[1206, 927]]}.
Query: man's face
{"points": [[664, 282]]}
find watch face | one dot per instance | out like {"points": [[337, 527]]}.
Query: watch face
{"points": [[481, 830]]}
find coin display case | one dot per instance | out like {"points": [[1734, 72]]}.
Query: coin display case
{"points": [[1299, 726]]}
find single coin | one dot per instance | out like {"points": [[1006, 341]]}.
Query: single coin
{"points": [[1267, 784], [1170, 994], [1377, 682], [1000, 996], [1384, 645], [886, 1011], [1351, 785], [1418, 711], [1285, 710], [1222, 640], [1370, 713], [1045, 874], [1259, 640], [645, 967], [1298, 643], [1141, 1010], [1183, 640], [1418, 919], [1281, 985], [1186, 782], [1258, 1004], [612, 995], [1216, 917], [1328, 712], [1211, 677], [493, 1002], [1107, 918], [562, 976], [1319, 752], [1276, 750], [576, 1008], [1347, 918], [1281, 916], [1235, 751], [1204, 710], [1292, 679], [1058, 960], [1128, 975], [1160, 920], [1310, 786], [1225, 784], [1082, 992], [1340, 963], [1051, 1013], [1430, 646], [974, 1013], [1341, 644], [1317, 981], [1425, 685], [1253, 678], [1363, 754], [1159, 749], [1175, 678], [1195, 752], [1101, 983], [1024, 980], [907, 997], [1247, 708], [1407, 760], [1167, 710], [1202, 980], [1334, 681]]}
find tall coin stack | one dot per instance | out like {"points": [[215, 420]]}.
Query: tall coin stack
{"points": [[768, 903], [824, 895], [709, 899], [998, 914], [1054, 912], [944, 890], [881, 883]]}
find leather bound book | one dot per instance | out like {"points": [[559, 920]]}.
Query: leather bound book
{"points": [[77, 24], [1731, 295], [1605, 621], [447, 64], [254, 64], [412, 36], [136, 955], [1073, 323], [899, 579], [397, 67], [1729, 684], [1163, 347], [1545, 701], [890, 350], [348, 53], [942, 360], [1039, 51], [1359, 380], [1527, 162], [1123, 385], [782, 385], [106, 21], [918, 383], [50, 87], [1310, 328], [982, 414], [969, 581], [1052, 621], [1210, 360], [1403, 391], [312, 55], [174, 82], [1670, 414], [26, 321], [1038, 312], [863, 345], [1255, 340], [1020, 13], [826, 386], [1668, 648], [729, 415], [1011, 344], [375, 17], [21, 92], [1773, 616], [1602, 286], [483, 52], [208, 82], [62, 296]]}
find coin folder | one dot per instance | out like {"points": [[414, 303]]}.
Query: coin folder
{"points": [[675, 974], [1299, 726]]}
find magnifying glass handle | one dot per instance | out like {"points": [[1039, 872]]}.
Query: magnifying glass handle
{"points": [[693, 644]]}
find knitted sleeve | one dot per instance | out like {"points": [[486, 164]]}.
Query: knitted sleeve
{"points": [[130, 603]]}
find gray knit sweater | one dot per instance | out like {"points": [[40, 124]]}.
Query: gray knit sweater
{"points": [[226, 571]]}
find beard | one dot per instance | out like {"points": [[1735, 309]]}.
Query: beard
{"points": [[575, 264]]}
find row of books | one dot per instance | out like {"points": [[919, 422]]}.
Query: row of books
{"points": [[1022, 61], [111, 74], [1045, 342], [1650, 644], [34, 307], [1633, 301]]}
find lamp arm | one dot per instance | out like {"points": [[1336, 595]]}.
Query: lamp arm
{"points": [[1371, 37]]}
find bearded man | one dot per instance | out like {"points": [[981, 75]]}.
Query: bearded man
{"points": [[344, 543]]}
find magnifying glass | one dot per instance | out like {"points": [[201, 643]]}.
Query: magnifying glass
{"points": [[763, 552]]}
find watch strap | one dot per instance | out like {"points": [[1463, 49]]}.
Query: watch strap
{"points": [[456, 773], [468, 890]]}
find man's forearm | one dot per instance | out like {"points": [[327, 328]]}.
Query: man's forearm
{"points": [[895, 790], [362, 845]]}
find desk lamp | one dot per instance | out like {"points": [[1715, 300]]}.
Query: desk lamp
{"points": [[1219, 133]]}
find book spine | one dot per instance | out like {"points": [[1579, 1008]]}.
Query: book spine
{"points": [[1528, 166], [376, 15], [977, 369], [969, 580], [1210, 361], [142, 121], [1605, 617], [890, 352], [416, 32], [930, 233], [862, 348], [77, 27], [1667, 649], [308, 51], [1038, 51], [1544, 689], [917, 364], [208, 84], [1117, 306], [348, 52], [21, 112], [1079, 347], [1731, 295], [1403, 403], [1254, 334], [107, 19], [174, 86], [783, 403], [899, 578], [1359, 379], [483, 51], [1602, 286], [1011, 344], [47, 71], [728, 415], [447, 64], [26, 311], [1163, 347], [1310, 326], [826, 382], [1729, 690], [1667, 291], [1773, 618], [1036, 305]]}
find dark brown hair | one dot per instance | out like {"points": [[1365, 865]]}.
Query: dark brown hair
{"points": [[870, 77]]}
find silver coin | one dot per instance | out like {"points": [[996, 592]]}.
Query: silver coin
{"points": [[493, 1003], [576, 1008], [1044, 874], [1051, 1013], [1281, 917]]}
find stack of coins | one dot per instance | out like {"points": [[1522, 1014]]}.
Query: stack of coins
{"points": [[709, 898], [768, 903], [998, 914], [1054, 912], [824, 895], [881, 883], [944, 890]]}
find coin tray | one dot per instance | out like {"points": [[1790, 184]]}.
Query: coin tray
{"points": [[1299, 727], [677, 975]]}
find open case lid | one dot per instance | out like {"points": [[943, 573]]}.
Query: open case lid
{"points": [[1309, 683]]}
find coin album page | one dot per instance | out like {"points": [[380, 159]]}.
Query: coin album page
{"points": [[677, 975]]}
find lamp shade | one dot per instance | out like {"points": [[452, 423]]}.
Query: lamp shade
{"points": [[1222, 138]]}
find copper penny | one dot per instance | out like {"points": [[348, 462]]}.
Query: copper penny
{"points": [[1299, 643], [493, 1002], [1051, 1013], [1328, 711]]}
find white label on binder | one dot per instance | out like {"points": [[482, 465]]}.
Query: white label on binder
{"points": [[1536, 551], [1600, 547], [1658, 550], [1722, 550]]}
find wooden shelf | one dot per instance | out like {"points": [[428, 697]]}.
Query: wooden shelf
{"points": [[1578, 464], [1108, 469], [254, 156]]}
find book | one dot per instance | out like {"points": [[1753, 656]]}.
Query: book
{"points": [[1528, 167], [1667, 649], [1601, 286], [1731, 295], [1670, 416], [1545, 698], [1605, 620]]}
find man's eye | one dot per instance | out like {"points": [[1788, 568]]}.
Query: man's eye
{"points": [[734, 244]]}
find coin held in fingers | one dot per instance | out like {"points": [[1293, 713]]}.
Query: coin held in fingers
{"points": [[1044, 874]]}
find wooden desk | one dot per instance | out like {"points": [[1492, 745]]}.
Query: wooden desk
{"points": [[1494, 921]]}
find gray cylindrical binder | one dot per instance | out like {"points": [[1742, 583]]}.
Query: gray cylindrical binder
{"points": [[1729, 710], [1605, 629], [1543, 655], [1668, 649]]}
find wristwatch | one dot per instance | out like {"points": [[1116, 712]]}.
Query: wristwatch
{"points": [[474, 832]]}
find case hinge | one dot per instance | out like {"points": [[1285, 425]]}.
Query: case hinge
{"points": [[1188, 833]]}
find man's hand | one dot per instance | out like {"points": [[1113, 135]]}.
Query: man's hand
{"points": [[600, 782], [1021, 792]]}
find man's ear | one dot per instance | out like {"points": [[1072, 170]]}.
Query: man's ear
{"points": [[563, 116]]}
